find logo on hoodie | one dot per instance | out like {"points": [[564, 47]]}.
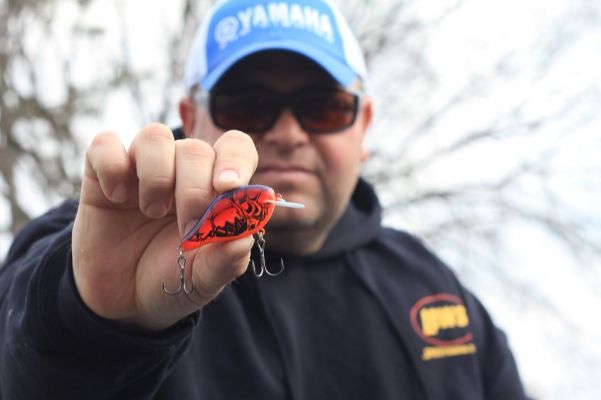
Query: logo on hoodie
{"points": [[442, 321]]}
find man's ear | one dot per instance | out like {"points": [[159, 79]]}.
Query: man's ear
{"points": [[366, 112], [364, 154], [366, 116], [187, 113]]}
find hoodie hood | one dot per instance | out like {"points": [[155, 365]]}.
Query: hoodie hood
{"points": [[358, 225]]}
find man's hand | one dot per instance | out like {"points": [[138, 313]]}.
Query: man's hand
{"points": [[136, 205]]}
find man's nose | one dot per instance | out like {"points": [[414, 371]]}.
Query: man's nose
{"points": [[286, 133]]}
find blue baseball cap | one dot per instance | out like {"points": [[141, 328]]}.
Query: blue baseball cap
{"points": [[235, 29]]}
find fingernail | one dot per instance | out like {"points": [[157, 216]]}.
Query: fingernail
{"points": [[228, 176], [119, 194]]}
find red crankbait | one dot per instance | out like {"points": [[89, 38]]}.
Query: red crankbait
{"points": [[232, 215]]}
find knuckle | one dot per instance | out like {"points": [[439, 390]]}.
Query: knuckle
{"points": [[191, 196], [104, 155], [155, 134], [157, 181], [195, 149], [234, 140], [236, 146], [113, 168], [101, 141]]}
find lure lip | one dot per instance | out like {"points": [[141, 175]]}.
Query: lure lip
{"points": [[285, 203]]}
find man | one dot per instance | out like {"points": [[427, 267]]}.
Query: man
{"points": [[276, 97]]}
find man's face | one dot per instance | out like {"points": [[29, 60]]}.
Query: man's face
{"points": [[318, 170]]}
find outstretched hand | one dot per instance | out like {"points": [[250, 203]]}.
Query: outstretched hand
{"points": [[134, 208]]}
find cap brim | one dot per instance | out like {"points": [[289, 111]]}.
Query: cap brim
{"points": [[337, 69]]}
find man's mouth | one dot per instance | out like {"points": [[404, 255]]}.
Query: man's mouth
{"points": [[277, 175], [283, 169]]}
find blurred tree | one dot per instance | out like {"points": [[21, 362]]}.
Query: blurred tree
{"points": [[26, 118], [61, 64]]}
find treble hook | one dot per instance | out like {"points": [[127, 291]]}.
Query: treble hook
{"points": [[261, 245], [181, 262]]}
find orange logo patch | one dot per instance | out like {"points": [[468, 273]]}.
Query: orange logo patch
{"points": [[441, 320]]}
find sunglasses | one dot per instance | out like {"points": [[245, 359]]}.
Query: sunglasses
{"points": [[256, 110]]}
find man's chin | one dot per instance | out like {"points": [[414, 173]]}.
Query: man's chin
{"points": [[290, 224], [292, 236]]}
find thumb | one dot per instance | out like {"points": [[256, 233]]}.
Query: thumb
{"points": [[217, 264]]}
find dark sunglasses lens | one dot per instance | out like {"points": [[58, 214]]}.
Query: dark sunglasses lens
{"points": [[252, 112], [326, 111]]}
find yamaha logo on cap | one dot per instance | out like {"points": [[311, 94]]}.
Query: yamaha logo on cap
{"points": [[273, 15], [235, 29]]}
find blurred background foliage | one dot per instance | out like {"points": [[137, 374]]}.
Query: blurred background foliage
{"points": [[484, 143]]}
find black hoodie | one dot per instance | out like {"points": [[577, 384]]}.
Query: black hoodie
{"points": [[372, 315]]}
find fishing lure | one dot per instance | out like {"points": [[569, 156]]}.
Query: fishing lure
{"points": [[232, 215]]}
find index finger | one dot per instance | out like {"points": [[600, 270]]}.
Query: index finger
{"points": [[107, 171], [236, 160]]}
